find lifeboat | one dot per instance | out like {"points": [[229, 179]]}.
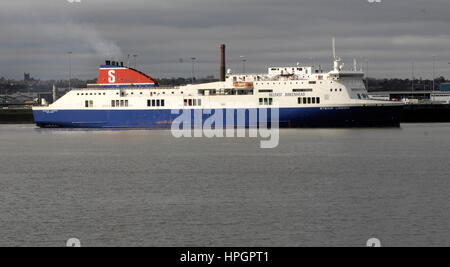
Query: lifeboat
{"points": [[243, 84]]}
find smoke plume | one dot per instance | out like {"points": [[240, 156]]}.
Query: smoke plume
{"points": [[91, 39]]}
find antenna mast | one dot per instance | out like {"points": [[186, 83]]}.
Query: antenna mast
{"points": [[336, 59], [334, 48]]}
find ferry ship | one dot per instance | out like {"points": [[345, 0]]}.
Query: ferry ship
{"points": [[304, 96]]}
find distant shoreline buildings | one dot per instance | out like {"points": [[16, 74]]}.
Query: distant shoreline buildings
{"points": [[30, 88]]}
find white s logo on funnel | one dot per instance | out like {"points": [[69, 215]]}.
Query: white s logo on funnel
{"points": [[111, 76]]}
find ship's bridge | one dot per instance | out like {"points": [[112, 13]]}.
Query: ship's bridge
{"points": [[337, 75], [291, 71], [277, 74]]}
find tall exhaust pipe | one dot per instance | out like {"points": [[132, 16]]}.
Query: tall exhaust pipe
{"points": [[54, 96], [223, 67]]}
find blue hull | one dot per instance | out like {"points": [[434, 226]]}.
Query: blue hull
{"points": [[379, 116]]}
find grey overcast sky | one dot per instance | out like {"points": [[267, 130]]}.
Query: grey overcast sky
{"points": [[36, 35]]}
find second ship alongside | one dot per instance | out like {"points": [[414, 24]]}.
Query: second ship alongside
{"points": [[304, 96]]}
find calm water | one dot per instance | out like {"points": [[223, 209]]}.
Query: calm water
{"points": [[145, 188]]}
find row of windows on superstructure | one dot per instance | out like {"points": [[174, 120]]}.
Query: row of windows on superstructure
{"points": [[125, 103], [276, 69], [156, 103], [293, 90], [192, 102], [288, 83], [89, 103], [91, 93], [266, 101], [119, 103], [308, 100], [151, 93], [198, 102], [297, 90], [125, 94]]}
